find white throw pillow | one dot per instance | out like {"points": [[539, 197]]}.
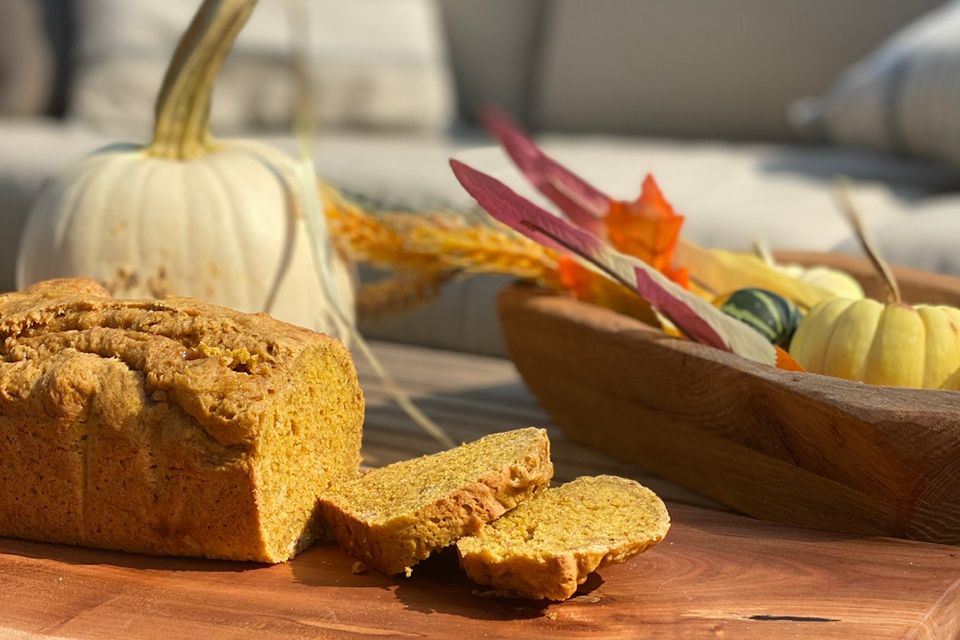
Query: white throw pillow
{"points": [[375, 64], [903, 98]]}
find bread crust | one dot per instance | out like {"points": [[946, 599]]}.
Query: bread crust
{"points": [[160, 426]]}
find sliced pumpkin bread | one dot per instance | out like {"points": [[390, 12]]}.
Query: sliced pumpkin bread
{"points": [[548, 545], [397, 515]]}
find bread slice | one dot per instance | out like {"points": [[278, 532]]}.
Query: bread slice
{"points": [[168, 426], [548, 546], [397, 515]]}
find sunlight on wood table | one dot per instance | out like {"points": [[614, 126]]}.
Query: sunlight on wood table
{"points": [[716, 575]]}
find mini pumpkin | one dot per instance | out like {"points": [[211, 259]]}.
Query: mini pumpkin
{"points": [[891, 344], [838, 283], [835, 282], [953, 382], [775, 317]]}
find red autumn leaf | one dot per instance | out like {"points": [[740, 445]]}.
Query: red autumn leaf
{"points": [[647, 229], [693, 316]]}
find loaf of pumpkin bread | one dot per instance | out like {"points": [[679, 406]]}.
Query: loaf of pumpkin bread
{"points": [[396, 516], [168, 426]]}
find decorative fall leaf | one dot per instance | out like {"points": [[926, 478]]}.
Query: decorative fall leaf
{"points": [[647, 228], [591, 286], [583, 203], [693, 316]]}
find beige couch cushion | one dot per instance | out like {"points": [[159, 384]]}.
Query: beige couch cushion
{"points": [[378, 64], [731, 194], [700, 67]]}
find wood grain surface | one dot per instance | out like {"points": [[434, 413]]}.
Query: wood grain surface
{"points": [[804, 449], [717, 575]]}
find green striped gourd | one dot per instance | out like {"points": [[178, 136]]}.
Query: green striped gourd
{"points": [[775, 317]]}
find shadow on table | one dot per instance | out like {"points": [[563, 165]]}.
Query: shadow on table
{"points": [[463, 598], [477, 407], [437, 585], [327, 565], [120, 559]]}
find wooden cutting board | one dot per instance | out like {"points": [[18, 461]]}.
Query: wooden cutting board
{"points": [[715, 575]]}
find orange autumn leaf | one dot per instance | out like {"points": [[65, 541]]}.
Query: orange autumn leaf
{"points": [[648, 229], [574, 277], [786, 362]]}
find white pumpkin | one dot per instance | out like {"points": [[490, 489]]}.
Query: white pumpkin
{"points": [[187, 214]]}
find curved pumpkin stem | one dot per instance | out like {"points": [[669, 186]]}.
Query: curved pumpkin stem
{"points": [[856, 221], [182, 127]]}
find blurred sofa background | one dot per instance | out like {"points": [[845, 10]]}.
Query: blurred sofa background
{"points": [[744, 110]]}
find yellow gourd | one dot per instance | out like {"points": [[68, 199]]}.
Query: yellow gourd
{"points": [[953, 382], [834, 282], [838, 283], [188, 214], [891, 344]]}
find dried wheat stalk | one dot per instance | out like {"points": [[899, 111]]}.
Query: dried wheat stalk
{"points": [[435, 242], [485, 249], [365, 238], [401, 292]]}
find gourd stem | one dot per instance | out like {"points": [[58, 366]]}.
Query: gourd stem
{"points": [[181, 130], [873, 254]]}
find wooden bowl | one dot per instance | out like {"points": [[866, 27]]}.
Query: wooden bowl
{"points": [[804, 449]]}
